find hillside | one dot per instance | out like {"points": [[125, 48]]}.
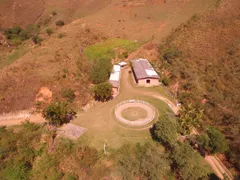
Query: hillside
{"points": [[201, 58]]}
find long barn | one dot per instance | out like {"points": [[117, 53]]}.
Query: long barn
{"points": [[144, 74]]}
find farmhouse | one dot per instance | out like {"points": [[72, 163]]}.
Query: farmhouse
{"points": [[115, 79], [144, 73]]}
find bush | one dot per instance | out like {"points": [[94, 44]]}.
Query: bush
{"points": [[49, 31], [68, 93], [36, 39], [170, 54], [103, 91], [165, 130], [60, 23], [54, 13], [218, 143], [61, 35], [165, 81], [58, 113], [190, 164], [100, 72]]}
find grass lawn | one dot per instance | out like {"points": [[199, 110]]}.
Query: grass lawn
{"points": [[106, 49], [102, 127], [134, 113]]}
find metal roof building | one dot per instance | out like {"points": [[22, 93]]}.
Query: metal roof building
{"points": [[143, 69], [115, 76]]}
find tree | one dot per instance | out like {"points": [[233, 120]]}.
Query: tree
{"points": [[218, 143], [58, 113], [60, 23], [189, 117], [165, 130], [49, 31], [103, 91], [188, 163]]}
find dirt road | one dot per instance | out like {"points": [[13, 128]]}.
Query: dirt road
{"points": [[19, 120]]}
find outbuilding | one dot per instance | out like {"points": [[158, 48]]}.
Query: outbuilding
{"points": [[115, 79], [144, 73]]}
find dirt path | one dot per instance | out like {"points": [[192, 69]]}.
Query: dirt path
{"points": [[19, 120]]}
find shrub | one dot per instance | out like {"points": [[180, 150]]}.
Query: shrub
{"points": [[189, 163], [58, 113], [165, 81], [36, 39], [68, 93], [170, 54], [103, 91], [49, 31], [24, 35], [60, 23], [100, 70], [218, 143], [61, 35], [54, 13], [165, 130]]}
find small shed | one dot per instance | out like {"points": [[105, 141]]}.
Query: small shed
{"points": [[115, 79], [144, 73]]}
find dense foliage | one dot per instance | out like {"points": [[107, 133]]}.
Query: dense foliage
{"points": [[58, 113], [165, 130], [17, 35], [103, 91], [202, 57], [189, 117], [100, 70], [18, 151], [190, 165], [145, 162]]}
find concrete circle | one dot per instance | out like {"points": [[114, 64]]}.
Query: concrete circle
{"points": [[135, 103]]}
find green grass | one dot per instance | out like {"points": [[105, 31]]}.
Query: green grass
{"points": [[106, 49], [19, 52], [102, 126]]}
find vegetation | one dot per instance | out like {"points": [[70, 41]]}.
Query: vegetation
{"points": [[49, 31], [60, 23], [100, 71], [36, 39], [105, 49], [54, 13], [208, 80], [58, 113], [189, 117], [165, 130], [165, 81], [189, 164], [147, 162], [68, 94], [100, 56], [17, 35], [103, 91], [217, 141]]}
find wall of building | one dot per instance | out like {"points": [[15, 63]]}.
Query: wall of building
{"points": [[115, 91], [153, 82]]}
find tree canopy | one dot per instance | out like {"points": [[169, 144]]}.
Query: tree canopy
{"points": [[217, 143], [103, 91], [165, 129], [58, 113], [190, 165]]}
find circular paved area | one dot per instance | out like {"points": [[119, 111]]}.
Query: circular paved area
{"points": [[135, 104]]}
